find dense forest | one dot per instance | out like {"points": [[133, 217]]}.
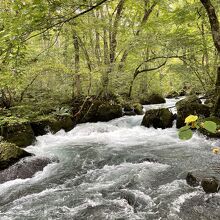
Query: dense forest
{"points": [[116, 102], [62, 49]]}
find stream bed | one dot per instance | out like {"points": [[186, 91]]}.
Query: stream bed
{"points": [[114, 170]]}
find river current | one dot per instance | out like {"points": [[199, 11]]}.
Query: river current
{"points": [[114, 170]]}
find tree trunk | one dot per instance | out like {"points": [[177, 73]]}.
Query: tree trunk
{"points": [[214, 22], [77, 79], [215, 28]]}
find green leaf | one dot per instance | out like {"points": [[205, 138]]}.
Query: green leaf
{"points": [[210, 126], [184, 128], [185, 134]]}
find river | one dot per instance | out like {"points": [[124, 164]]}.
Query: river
{"points": [[114, 170]]}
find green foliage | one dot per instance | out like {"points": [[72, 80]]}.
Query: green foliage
{"points": [[185, 133], [193, 122], [210, 126], [62, 111]]}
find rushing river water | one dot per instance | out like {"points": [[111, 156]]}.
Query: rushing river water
{"points": [[114, 170]]}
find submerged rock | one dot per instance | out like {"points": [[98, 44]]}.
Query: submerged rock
{"points": [[10, 154], [153, 99], [190, 106], [25, 168], [158, 118]]}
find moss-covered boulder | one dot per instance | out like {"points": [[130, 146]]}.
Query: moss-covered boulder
{"points": [[54, 123], [10, 154], [190, 106], [94, 110], [138, 109], [153, 99], [133, 109], [158, 118], [17, 131], [107, 112]]}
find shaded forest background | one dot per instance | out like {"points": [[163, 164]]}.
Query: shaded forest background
{"points": [[57, 50]]}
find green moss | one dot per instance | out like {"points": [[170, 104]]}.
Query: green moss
{"points": [[12, 120], [10, 153]]}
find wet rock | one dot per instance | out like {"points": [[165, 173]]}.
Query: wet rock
{"points": [[193, 180], [10, 154], [25, 168], [18, 132], [153, 99], [133, 109], [190, 106], [158, 118], [43, 124], [138, 109], [208, 178], [210, 185]]}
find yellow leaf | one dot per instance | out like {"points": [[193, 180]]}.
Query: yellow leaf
{"points": [[215, 150], [191, 118]]}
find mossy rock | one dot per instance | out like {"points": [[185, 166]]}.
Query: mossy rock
{"points": [[190, 106], [107, 112], [138, 108], [10, 154], [17, 131], [153, 99], [95, 110], [158, 118], [53, 123]]}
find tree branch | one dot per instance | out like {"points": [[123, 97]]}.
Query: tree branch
{"points": [[67, 20]]}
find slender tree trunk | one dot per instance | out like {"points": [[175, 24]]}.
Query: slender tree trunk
{"points": [[77, 78]]}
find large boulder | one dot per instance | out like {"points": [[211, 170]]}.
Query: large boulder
{"points": [[190, 106], [10, 154], [43, 124], [107, 112], [158, 118], [25, 168], [96, 110], [17, 131], [153, 99]]}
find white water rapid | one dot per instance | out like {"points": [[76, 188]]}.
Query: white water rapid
{"points": [[115, 170]]}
